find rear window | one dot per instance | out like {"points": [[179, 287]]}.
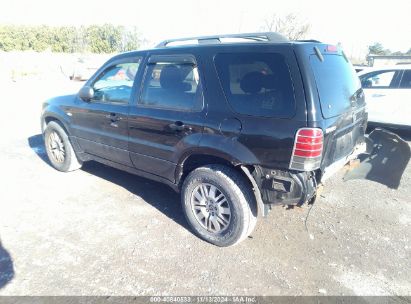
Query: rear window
{"points": [[257, 84], [336, 82]]}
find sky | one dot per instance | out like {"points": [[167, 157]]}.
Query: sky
{"points": [[354, 23]]}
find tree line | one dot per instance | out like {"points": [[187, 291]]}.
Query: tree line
{"points": [[378, 49], [105, 38]]}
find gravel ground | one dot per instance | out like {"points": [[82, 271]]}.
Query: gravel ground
{"points": [[100, 231]]}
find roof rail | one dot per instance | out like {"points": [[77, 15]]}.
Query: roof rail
{"points": [[309, 40], [260, 37]]}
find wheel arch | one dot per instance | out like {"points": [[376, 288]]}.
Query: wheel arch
{"points": [[49, 118], [64, 125], [196, 160]]}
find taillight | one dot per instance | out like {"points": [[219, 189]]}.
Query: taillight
{"points": [[308, 149]]}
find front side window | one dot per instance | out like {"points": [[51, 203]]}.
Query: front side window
{"points": [[406, 80], [382, 79], [173, 86], [257, 84], [115, 83]]}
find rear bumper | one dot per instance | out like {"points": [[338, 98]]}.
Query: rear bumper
{"points": [[279, 187], [338, 165]]}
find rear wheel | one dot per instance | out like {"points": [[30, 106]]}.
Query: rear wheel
{"points": [[219, 205], [59, 149]]}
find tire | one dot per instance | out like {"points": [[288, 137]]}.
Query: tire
{"points": [[59, 149], [206, 211]]}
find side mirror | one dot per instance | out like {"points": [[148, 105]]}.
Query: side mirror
{"points": [[86, 93]]}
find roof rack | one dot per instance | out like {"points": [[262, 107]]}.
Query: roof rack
{"points": [[258, 37]]}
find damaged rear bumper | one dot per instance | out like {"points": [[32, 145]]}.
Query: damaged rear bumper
{"points": [[295, 188], [338, 165], [279, 187]]}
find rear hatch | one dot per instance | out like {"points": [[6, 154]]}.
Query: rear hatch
{"points": [[338, 108]]}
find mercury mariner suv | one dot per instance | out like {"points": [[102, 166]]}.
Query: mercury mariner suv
{"points": [[235, 123]]}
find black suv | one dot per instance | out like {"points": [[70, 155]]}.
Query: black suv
{"points": [[237, 123]]}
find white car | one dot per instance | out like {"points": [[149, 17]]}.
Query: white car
{"points": [[388, 95]]}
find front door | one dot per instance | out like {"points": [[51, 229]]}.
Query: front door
{"points": [[101, 124], [168, 116]]}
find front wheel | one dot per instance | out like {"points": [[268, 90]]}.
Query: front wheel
{"points": [[219, 205], [59, 149]]}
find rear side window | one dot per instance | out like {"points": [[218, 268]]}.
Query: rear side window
{"points": [[337, 82], [172, 86], [406, 80], [257, 84]]}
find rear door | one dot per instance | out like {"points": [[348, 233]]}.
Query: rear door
{"points": [[381, 95], [168, 116], [340, 110]]}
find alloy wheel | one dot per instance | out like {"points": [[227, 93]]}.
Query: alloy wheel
{"points": [[56, 147], [210, 208]]}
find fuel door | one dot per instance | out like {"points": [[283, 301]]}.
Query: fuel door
{"points": [[230, 127]]}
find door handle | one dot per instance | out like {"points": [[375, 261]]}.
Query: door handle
{"points": [[378, 95], [113, 117], [179, 126]]}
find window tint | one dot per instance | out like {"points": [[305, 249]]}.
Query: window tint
{"points": [[115, 83], [406, 80], [382, 79], [336, 81], [174, 86], [257, 84]]}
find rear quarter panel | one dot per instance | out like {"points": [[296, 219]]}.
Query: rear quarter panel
{"points": [[263, 141]]}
